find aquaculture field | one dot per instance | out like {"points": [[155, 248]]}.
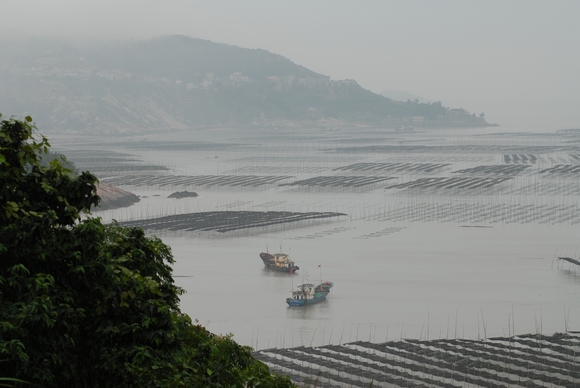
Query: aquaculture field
{"points": [[517, 361], [422, 229]]}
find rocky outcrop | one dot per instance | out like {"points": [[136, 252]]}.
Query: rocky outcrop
{"points": [[183, 194], [113, 197]]}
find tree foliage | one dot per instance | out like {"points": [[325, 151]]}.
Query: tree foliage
{"points": [[87, 304]]}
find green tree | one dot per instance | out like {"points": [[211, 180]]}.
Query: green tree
{"points": [[86, 304]]}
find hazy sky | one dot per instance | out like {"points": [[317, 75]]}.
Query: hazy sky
{"points": [[517, 61]]}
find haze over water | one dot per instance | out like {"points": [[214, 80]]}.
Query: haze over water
{"points": [[513, 60], [420, 262]]}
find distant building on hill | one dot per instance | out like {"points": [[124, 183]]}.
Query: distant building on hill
{"points": [[456, 115]]}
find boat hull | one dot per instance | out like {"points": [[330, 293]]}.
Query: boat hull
{"points": [[280, 269], [305, 302]]}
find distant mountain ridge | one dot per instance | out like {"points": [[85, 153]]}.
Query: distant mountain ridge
{"points": [[178, 83], [400, 95]]}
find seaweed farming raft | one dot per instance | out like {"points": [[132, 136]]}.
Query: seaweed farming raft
{"points": [[570, 260], [451, 183], [519, 361], [205, 181], [495, 170], [339, 181], [227, 221], [424, 168]]}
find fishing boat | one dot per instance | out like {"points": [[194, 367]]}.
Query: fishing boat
{"points": [[279, 262], [308, 293]]}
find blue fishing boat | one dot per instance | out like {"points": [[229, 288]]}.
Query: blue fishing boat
{"points": [[308, 293]]}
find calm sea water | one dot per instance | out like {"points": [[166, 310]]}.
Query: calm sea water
{"points": [[421, 263]]}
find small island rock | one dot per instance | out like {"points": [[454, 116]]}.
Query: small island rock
{"points": [[183, 194]]}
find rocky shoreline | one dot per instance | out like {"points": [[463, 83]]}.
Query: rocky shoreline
{"points": [[113, 197]]}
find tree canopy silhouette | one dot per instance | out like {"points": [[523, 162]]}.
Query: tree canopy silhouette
{"points": [[87, 304]]}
